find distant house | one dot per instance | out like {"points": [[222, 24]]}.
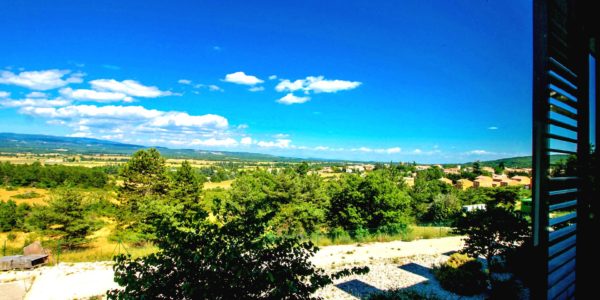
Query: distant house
{"points": [[421, 168], [473, 207], [479, 183], [369, 167], [446, 180], [523, 180], [508, 182], [452, 170], [488, 169], [484, 178], [463, 184], [409, 181], [499, 178]]}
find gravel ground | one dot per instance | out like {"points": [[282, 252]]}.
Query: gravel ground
{"points": [[393, 265]]}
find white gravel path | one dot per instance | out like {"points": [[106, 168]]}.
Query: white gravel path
{"points": [[393, 265]]}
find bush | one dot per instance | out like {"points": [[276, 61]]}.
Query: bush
{"points": [[393, 229], [506, 290], [462, 275], [402, 294]]}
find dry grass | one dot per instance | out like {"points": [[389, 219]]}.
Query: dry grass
{"points": [[223, 184], [6, 195]]}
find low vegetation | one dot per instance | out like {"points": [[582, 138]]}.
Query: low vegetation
{"points": [[462, 275]]}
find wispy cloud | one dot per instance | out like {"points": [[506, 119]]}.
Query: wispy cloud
{"points": [[256, 89], [37, 95], [93, 95], [128, 87], [290, 99], [479, 152], [184, 81], [242, 78], [41, 80], [493, 128], [316, 84], [111, 67], [278, 143]]}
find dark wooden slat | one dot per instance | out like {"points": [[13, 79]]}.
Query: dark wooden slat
{"points": [[562, 125], [561, 286], [569, 87], [558, 40], [562, 272], [558, 54], [560, 151], [563, 232], [562, 111], [561, 138], [562, 70], [564, 179], [563, 205], [563, 219], [558, 96], [562, 245], [560, 260]]}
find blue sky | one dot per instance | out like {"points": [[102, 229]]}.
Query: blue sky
{"points": [[429, 81]]}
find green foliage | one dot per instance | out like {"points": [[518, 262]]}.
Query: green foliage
{"points": [[239, 259], [370, 202], [7, 215], [27, 195], [444, 208], [403, 294], [462, 275], [491, 232], [64, 217], [186, 187], [51, 176], [12, 216]]}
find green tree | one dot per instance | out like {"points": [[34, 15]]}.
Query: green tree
{"points": [[64, 217], [186, 187], [238, 259], [444, 207], [8, 216], [491, 232]]}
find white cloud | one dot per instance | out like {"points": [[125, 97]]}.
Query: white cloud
{"points": [[321, 85], [4, 94], [322, 148], [184, 81], [316, 84], [92, 95], [246, 141], [272, 77], [80, 134], [182, 119], [278, 143], [214, 88], [256, 89], [242, 126], [479, 152], [417, 151], [493, 128], [216, 48], [34, 103], [242, 78], [40, 80], [128, 87], [290, 99], [212, 142], [393, 150], [286, 85], [36, 95], [281, 135]]}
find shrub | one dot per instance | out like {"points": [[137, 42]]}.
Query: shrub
{"points": [[402, 294], [461, 274], [393, 229], [506, 290], [361, 234]]}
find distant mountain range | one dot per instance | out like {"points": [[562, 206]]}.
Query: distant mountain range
{"points": [[38, 143]]}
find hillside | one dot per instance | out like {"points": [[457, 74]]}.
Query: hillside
{"points": [[519, 162], [37, 143]]}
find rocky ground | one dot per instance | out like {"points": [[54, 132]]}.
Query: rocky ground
{"points": [[393, 265]]}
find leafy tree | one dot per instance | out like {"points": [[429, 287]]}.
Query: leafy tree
{"points": [[186, 187], [444, 207], [302, 168], [145, 182], [491, 232], [8, 218], [64, 217], [239, 259], [369, 202]]}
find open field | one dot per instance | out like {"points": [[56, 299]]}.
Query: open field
{"points": [[223, 184], [27, 195]]}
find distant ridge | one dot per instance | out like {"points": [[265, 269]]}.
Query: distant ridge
{"points": [[38, 143]]}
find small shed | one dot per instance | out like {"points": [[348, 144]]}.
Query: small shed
{"points": [[22, 261]]}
